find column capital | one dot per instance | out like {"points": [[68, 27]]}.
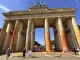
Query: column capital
{"points": [[46, 18], [30, 19], [72, 17], [59, 17]]}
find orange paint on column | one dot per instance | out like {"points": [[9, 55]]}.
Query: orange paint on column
{"points": [[12, 40], [48, 42], [62, 35], [64, 42]]}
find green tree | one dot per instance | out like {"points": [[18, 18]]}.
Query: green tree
{"points": [[37, 43], [53, 42]]}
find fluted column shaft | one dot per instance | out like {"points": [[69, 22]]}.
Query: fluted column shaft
{"points": [[3, 34], [32, 37], [8, 36], [14, 36], [47, 36], [62, 35], [76, 30], [28, 35], [20, 38]]}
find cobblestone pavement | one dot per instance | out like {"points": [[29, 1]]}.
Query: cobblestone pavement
{"points": [[44, 56]]}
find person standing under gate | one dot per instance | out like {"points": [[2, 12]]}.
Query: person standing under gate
{"points": [[29, 53], [8, 53], [24, 51], [74, 50], [79, 50]]}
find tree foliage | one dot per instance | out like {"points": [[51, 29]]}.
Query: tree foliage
{"points": [[53, 42], [37, 43]]}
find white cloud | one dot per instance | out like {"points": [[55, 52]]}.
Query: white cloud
{"points": [[4, 8]]}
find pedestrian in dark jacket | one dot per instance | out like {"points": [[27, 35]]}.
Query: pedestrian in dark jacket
{"points": [[24, 51], [8, 53], [74, 50]]}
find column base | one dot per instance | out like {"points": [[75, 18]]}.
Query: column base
{"points": [[65, 51], [48, 50]]}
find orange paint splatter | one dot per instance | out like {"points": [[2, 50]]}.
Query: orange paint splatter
{"points": [[13, 37], [64, 41], [48, 42]]}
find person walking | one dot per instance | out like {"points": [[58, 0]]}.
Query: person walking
{"points": [[7, 53], [74, 50], [79, 50], [29, 53], [24, 51]]}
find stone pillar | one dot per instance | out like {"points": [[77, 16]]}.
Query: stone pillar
{"points": [[21, 38], [28, 35], [76, 30], [58, 43], [3, 34], [14, 36], [32, 37], [9, 33], [47, 36], [62, 35]]}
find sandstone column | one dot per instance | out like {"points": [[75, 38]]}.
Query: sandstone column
{"points": [[57, 37], [3, 34], [8, 36], [28, 35], [21, 38], [14, 36], [47, 36], [32, 37], [76, 30], [62, 35]]}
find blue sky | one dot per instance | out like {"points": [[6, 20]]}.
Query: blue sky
{"points": [[11, 5]]}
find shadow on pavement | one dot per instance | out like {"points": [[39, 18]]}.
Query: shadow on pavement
{"points": [[34, 57], [2, 53]]}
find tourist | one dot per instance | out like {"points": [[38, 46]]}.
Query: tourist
{"points": [[24, 51], [8, 53], [74, 50], [79, 50], [29, 53]]}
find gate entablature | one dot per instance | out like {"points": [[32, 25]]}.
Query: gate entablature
{"points": [[37, 13]]}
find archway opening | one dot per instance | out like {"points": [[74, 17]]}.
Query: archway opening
{"points": [[52, 38], [39, 40]]}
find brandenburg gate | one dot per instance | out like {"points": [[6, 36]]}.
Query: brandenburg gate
{"points": [[19, 28]]}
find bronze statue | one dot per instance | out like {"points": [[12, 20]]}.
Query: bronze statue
{"points": [[38, 4], [44, 3]]}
